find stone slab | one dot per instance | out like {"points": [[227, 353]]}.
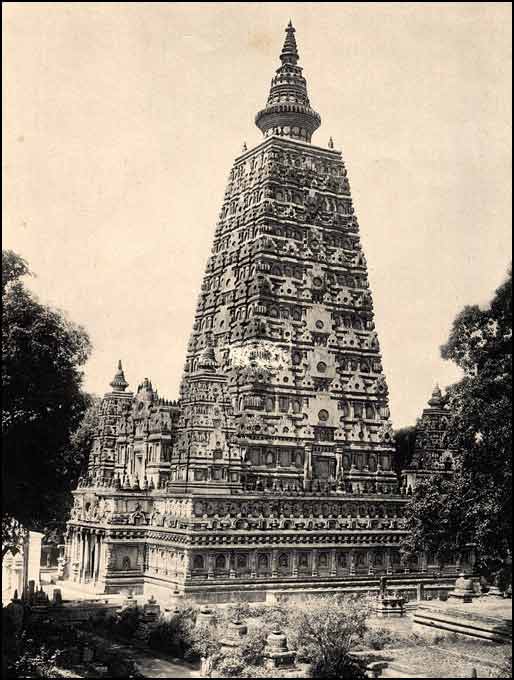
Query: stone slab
{"points": [[433, 619]]}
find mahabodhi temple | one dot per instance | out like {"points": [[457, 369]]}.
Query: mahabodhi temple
{"points": [[273, 472]]}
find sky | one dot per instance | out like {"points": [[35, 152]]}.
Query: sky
{"points": [[121, 122]]}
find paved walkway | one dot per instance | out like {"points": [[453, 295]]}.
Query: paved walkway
{"points": [[158, 667]]}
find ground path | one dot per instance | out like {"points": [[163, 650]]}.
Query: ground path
{"points": [[159, 667]]}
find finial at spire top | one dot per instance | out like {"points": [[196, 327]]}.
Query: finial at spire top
{"points": [[437, 396], [330, 143], [118, 383], [289, 54], [245, 148], [288, 112]]}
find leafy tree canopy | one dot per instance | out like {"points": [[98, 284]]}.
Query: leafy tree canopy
{"points": [[476, 504], [42, 402], [404, 439]]}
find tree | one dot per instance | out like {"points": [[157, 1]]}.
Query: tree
{"points": [[440, 518], [323, 631], [42, 402], [78, 450], [404, 439], [480, 427]]}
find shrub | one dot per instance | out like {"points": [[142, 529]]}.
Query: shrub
{"points": [[252, 647], [238, 612], [275, 617], [188, 609], [256, 611], [379, 637], [125, 622], [173, 636], [35, 660], [205, 642], [228, 665], [9, 635], [324, 629]]}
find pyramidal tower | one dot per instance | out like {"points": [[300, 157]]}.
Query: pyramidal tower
{"points": [[274, 471], [284, 331]]}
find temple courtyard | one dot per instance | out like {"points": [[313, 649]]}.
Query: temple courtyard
{"points": [[391, 646]]}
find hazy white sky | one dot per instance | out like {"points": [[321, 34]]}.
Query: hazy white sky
{"points": [[121, 122]]}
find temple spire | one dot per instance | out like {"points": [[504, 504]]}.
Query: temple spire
{"points": [[289, 54], [437, 396], [118, 383], [288, 112]]}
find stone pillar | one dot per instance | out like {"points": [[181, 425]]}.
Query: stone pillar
{"points": [[92, 555], [231, 564], [388, 565], [351, 561], [33, 557], [69, 550], [76, 547], [420, 588], [101, 560], [7, 577], [339, 464], [253, 564], [109, 557], [75, 556], [92, 559], [187, 566], [371, 566], [101, 554], [210, 565], [423, 562], [87, 557], [294, 562], [81, 555], [18, 569], [274, 563], [98, 547], [333, 562], [307, 468], [314, 563], [68, 546]]}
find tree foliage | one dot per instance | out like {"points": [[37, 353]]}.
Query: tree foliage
{"points": [[440, 518], [42, 401], [404, 439], [476, 504]]}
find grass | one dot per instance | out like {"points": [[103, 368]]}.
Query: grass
{"points": [[442, 658], [436, 662]]}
